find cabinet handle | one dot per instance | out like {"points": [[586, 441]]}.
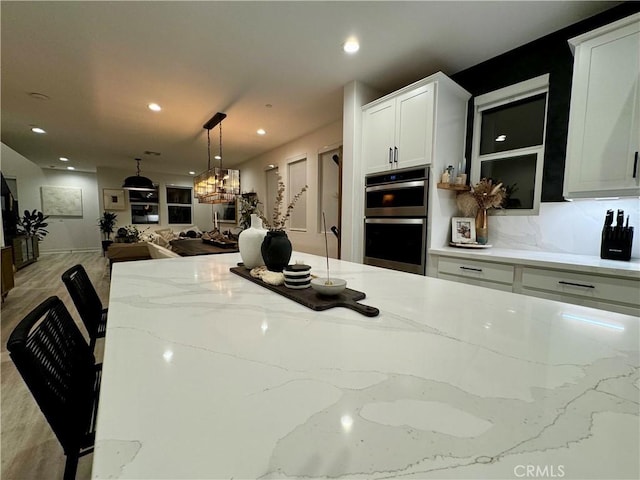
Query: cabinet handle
{"points": [[635, 165], [395, 154], [472, 269], [575, 284], [390, 156]]}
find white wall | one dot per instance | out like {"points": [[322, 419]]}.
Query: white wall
{"points": [[356, 94], [310, 146], [65, 233], [567, 227], [113, 178], [82, 233]]}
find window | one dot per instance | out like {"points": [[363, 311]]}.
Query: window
{"points": [[144, 207], [179, 205], [509, 131]]}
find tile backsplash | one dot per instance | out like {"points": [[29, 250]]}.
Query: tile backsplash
{"points": [[564, 227]]}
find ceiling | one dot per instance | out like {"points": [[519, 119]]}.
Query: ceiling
{"points": [[101, 63]]}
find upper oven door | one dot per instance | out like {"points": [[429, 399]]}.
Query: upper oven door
{"points": [[397, 199]]}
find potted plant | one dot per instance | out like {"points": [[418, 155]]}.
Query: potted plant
{"points": [[248, 205], [276, 248], [33, 224], [106, 223]]}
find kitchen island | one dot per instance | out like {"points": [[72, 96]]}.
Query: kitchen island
{"points": [[207, 375]]}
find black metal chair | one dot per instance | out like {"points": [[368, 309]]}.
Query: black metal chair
{"points": [[59, 368], [87, 302]]}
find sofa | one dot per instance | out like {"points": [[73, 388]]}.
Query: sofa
{"points": [[127, 252]]}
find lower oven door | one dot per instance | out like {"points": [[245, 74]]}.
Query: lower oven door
{"points": [[397, 243]]}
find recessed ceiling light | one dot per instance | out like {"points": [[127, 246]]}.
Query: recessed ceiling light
{"points": [[218, 157], [155, 107], [37, 130], [71, 168], [192, 173], [261, 131], [351, 45], [64, 159], [501, 138]]}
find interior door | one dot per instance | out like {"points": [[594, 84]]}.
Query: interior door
{"points": [[331, 198]]}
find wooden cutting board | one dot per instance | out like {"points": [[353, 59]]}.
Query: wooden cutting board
{"points": [[311, 299]]}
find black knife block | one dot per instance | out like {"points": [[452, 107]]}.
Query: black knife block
{"points": [[616, 243]]}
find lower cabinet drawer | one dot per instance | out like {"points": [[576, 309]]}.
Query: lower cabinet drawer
{"points": [[480, 283], [596, 287], [476, 269]]}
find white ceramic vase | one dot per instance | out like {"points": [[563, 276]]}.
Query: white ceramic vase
{"points": [[250, 243]]}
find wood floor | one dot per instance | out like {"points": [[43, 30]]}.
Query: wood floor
{"points": [[30, 450]]}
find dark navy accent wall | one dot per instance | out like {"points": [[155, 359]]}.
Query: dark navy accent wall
{"points": [[550, 54]]}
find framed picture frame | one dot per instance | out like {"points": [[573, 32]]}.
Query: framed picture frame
{"points": [[113, 199], [463, 230], [61, 201]]}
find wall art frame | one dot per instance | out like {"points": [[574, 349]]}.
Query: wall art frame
{"points": [[114, 199], [463, 230], [61, 201]]}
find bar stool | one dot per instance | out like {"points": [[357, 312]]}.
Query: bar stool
{"points": [[59, 369], [87, 302]]}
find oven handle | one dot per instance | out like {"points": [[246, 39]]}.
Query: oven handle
{"points": [[403, 221], [395, 186]]}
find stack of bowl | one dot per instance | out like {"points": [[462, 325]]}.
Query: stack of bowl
{"points": [[297, 276]]}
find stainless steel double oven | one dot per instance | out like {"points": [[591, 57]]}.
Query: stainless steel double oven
{"points": [[395, 227]]}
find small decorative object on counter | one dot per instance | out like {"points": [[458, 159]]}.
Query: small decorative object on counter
{"points": [[329, 286], [616, 241], [276, 248], [463, 230], [483, 196], [482, 227], [297, 276], [250, 243]]}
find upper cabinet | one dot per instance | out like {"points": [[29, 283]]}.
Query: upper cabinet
{"points": [[397, 130], [604, 128]]}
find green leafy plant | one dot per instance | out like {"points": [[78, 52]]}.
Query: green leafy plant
{"points": [[106, 223], [248, 205], [33, 224]]}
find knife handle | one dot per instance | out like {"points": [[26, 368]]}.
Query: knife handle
{"points": [[608, 220]]}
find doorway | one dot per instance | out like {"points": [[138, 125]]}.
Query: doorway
{"points": [[330, 193]]}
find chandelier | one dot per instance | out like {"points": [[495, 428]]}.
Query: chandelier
{"points": [[138, 182], [217, 184]]}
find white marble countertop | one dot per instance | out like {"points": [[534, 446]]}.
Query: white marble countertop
{"points": [[207, 375], [579, 263]]}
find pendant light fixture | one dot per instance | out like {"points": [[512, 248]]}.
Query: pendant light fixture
{"points": [[216, 185], [138, 182]]}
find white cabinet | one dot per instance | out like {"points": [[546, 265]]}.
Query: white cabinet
{"points": [[596, 288], [397, 130], [475, 272], [604, 124], [581, 288]]}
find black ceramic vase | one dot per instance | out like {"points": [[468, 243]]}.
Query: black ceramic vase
{"points": [[276, 250]]}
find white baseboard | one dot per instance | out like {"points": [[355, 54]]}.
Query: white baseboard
{"points": [[75, 250]]}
